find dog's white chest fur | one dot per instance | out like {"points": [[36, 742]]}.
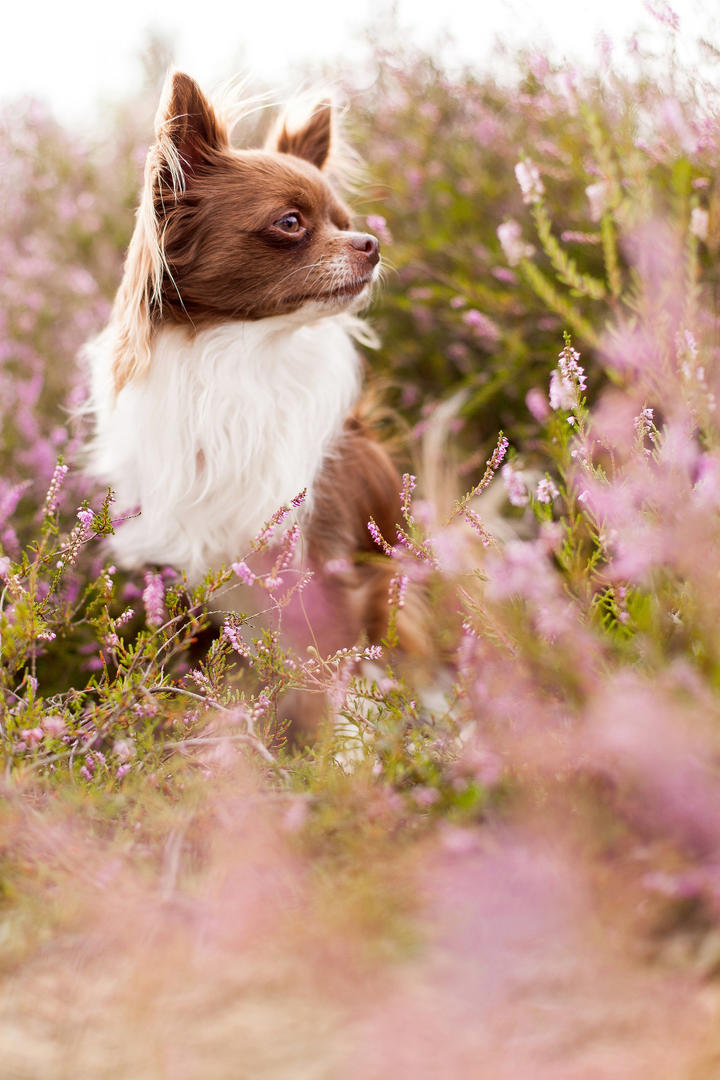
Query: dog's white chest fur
{"points": [[228, 424]]}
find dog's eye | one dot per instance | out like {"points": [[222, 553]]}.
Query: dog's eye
{"points": [[290, 223]]}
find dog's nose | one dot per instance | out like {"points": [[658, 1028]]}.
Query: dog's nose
{"points": [[368, 245]]}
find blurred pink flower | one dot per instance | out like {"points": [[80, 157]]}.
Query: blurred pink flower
{"points": [[515, 249], [528, 177]]}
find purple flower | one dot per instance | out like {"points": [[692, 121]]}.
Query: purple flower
{"points": [[86, 517], [546, 490], [510, 236], [408, 486], [377, 224], [537, 404], [567, 381], [531, 186], [244, 572], [379, 538], [397, 590], [481, 324], [514, 485], [154, 599], [231, 633], [53, 494]]}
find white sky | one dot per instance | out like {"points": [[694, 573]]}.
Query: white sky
{"points": [[78, 52]]}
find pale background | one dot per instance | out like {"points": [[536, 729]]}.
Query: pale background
{"points": [[79, 53]]}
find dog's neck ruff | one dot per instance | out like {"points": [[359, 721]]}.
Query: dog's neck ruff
{"points": [[228, 424]]}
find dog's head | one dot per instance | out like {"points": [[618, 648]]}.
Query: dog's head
{"points": [[235, 234]]}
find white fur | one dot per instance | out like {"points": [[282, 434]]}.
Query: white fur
{"points": [[226, 426]]}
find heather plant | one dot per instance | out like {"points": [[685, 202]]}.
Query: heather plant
{"points": [[499, 859]]}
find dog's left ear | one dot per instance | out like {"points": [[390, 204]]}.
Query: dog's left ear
{"points": [[311, 141]]}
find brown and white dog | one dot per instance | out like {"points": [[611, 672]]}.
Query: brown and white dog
{"points": [[227, 379]]}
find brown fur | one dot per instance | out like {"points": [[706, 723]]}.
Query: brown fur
{"points": [[360, 481]]}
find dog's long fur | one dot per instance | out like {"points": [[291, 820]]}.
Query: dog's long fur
{"points": [[227, 378]]}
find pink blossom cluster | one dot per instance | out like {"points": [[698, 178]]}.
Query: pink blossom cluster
{"points": [[527, 175], [153, 597], [567, 381], [514, 246]]}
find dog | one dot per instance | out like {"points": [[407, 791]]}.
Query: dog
{"points": [[227, 379]]}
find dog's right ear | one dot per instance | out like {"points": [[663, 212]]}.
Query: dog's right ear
{"points": [[188, 132]]}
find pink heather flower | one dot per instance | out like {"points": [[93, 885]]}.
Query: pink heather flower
{"points": [[373, 652], [498, 454], [231, 633], [53, 725], [4, 568], [546, 490], [397, 590], [9, 498], [201, 681], [476, 524], [337, 566], [124, 749], [531, 186], [51, 499], [124, 617], [567, 381], [86, 517], [122, 770], [481, 324], [265, 535], [645, 426], [33, 735], [699, 220], [511, 241], [408, 486], [377, 224], [514, 485], [537, 404], [663, 13], [76, 539], [572, 236], [287, 551], [598, 198], [508, 277], [379, 538], [244, 572], [154, 599]]}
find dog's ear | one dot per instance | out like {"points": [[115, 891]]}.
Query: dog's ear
{"points": [[311, 141], [188, 133], [187, 130]]}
